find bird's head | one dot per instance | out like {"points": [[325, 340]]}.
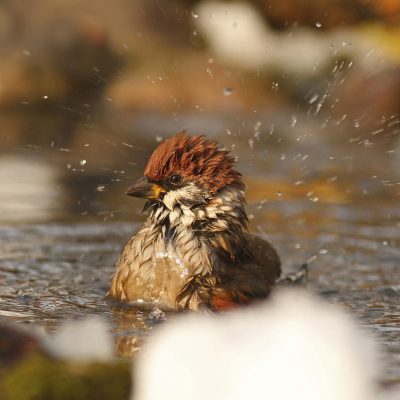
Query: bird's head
{"points": [[186, 171]]}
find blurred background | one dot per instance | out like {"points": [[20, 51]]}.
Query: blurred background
{"points": [[305, 93]]}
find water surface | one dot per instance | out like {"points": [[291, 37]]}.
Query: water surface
{"points": [[65, 220]]}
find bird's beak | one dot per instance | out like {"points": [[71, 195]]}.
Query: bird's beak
{"points": [[145, 190]]}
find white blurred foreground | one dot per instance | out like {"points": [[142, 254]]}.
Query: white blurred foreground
{"points": [[293, 347], [86, 340]]}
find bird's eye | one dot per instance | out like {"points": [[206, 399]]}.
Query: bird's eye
{"points": [[175, 179]]}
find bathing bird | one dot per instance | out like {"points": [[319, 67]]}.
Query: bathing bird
{"points": [[194, 250]]}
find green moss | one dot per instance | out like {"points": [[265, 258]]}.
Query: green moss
{"points": [[40, 378]]}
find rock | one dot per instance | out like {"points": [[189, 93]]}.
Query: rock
{"points": [[30, 368], [15, 344], [38, 377]]}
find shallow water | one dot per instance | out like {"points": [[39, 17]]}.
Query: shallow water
{"points": [[57, 271], [318, 201]]}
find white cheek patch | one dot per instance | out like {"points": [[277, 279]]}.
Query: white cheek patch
{"points": [[170, 199]]}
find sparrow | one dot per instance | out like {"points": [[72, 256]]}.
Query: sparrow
{"points": [[194, 250]]}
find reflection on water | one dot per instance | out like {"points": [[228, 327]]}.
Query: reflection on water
{"points": [[316, 200]]}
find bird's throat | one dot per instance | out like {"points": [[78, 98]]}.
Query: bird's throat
{"points": [[203, 237]]}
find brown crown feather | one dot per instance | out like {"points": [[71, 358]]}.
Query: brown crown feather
{"points": [[194, 158]]}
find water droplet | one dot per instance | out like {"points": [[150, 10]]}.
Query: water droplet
{"points": [[271, 129], [283, 156], [294, 121], [356, 124], [196, 39], [311, 259], [26, 53], [279, 193], [100, 188], [228, 132], [159, 138], [313, 99], [323, 251], [257, 130], [228, 91], [251, 143], [69, 166], [297, 246], [275, 86], [194, 15], [318, 24], [82, 162], [251, 216], [45, 97], [211, 61]]}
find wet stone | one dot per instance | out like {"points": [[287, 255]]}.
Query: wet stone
{"points": [[391, 292]]}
